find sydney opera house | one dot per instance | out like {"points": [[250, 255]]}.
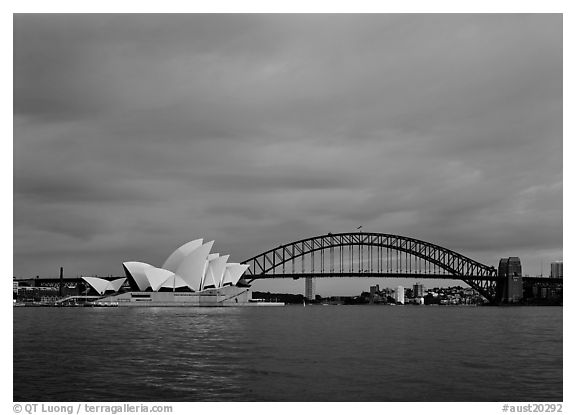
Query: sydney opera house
{"points": [[190, 276]]}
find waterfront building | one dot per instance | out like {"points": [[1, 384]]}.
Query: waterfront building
{"points": [[556, 270], [399, 297], [309, 288], [418, 290], [374, 294], [190, 268], [190, 276], [38, 289]]}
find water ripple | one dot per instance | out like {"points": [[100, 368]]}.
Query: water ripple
{"points": [[351, 353]]}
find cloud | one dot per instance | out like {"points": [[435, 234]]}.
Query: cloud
{"points": [[134, 133]]}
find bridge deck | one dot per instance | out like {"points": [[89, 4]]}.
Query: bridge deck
{"points": [[368, 274]]}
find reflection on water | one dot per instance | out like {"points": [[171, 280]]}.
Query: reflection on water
{"points": [[338, 353]]}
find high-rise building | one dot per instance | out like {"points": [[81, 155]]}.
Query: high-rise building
{"points": [[556, 270], [418, 290], [309, 288], [399, 295]]}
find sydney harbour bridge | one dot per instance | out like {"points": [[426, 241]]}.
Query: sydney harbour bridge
{"points": [[365, 254]]}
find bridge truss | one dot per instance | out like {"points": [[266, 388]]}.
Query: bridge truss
{"points": [[363, 254]]}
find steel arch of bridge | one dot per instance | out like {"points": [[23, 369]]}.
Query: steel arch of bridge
{"points": [[439, 262]]}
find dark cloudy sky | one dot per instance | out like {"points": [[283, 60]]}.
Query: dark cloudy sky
{"points": [[134, 134]]}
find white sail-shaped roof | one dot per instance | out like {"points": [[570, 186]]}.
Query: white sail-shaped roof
{"points": [[99, 284], [215, 272], [174, 282], [233, 273], [226, 278], [137, 270], [192, 268], [117, 283], [207, 278], [157, 277], [176, 257]]}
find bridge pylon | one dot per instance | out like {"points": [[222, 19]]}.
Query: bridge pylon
{"points": [[509, 288]]}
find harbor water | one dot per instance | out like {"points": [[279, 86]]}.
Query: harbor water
{"points": [[292, 353]]}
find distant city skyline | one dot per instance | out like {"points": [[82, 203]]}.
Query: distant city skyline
{"points": [[136, 133]]}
